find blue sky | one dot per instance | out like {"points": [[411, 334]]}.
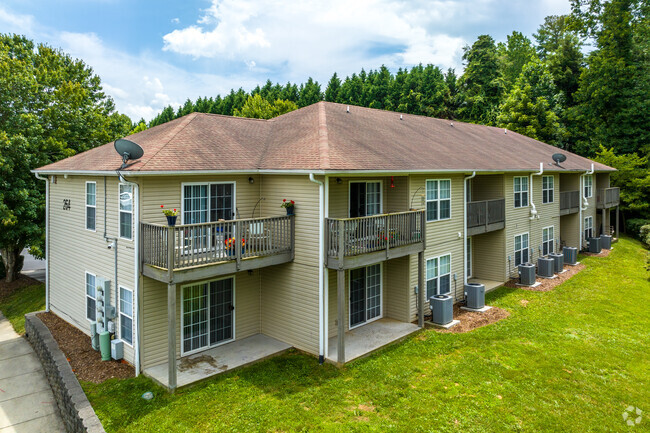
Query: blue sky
{"points": [[151, 54]]}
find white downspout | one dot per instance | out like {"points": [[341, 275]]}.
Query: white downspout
{"points": [[326, 285], [533, 209], [136, 276], [584, 202], [321, 263], [465, 252], [47, 239]]}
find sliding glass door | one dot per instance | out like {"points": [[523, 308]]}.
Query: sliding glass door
{"points": [[365, 295]]}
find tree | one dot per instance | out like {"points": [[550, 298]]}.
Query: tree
{"points": [[309, 93], [612, 102], [532, 106], [481, 85], [51, 107], [513, 55], [259, 108], [333, 89], [141, 126]]}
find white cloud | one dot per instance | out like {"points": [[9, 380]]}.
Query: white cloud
{"points": [[15, 23], [175, 20]]}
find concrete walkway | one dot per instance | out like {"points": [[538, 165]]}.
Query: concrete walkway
{"points": [[26, 400]]}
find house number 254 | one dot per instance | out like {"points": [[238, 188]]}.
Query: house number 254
{"points": [[66, 204]]}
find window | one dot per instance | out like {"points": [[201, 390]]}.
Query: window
{"points": [[91, 199], [521, 249], [208, 202], [126, 211], [589, 227], [589, 186], [521, 191], [91, 297], [365, 199], [438, 200], [438, 275], [547, 241], [126, 315], [547, 189]]}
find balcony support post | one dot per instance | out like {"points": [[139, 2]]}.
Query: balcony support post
{"points": [[340, 346], [171, 312], [604, 222], [421, 289]]}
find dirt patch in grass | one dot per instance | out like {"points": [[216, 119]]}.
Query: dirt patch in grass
{"points": [[470, 320], [6, 289], [547, 284], [86, 363], [603, 253]]}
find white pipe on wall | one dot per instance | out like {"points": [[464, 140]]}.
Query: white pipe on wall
{"points": [[465, 252], [584, 202], [533, 209], [321, 262]]}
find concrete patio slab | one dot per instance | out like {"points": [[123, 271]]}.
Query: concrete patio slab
{"points": [[368, 338], [489, 284], [447, 326], [477, 310], [219, 359]]}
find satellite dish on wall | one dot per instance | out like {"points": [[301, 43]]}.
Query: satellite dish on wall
{"points": [[128, 150], [558, 158]]}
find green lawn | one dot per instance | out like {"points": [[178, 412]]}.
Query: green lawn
{"points": [[567, 360], [21, 302]]}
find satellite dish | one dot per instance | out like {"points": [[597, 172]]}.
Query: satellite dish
{"points": [[128, 150], [558, 158]]}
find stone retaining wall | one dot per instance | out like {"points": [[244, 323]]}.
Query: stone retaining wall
{"points": [[74, 407]]}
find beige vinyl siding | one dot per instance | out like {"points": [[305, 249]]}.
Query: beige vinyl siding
{"points": [[601, 181], [442, 236], [290, 291], [569, 229], [167, 191], [75, 250], [590, 211], [154, 322], [487, 187], [569, 182], [488, 256], [397, 290]]}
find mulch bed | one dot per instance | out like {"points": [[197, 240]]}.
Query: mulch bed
{"points": [[603, 253], [86, 363], [6, 289], [548, 284], [470, 320]]}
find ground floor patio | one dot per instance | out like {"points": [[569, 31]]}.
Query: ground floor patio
{"points": [[489, 284], [226, 357]]}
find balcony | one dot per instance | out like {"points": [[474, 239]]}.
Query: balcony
{"points": [[569, 202], [196, 251], [485, 216], [355, 242], [608, 197]]}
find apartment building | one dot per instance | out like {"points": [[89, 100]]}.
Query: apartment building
{"points": [[389, 209]]}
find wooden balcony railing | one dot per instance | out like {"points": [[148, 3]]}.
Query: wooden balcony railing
{"points": [[485, 216], [191, 245], [569, 202], [608, 197], [389, 233]]}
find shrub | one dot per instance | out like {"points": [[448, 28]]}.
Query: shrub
{"points": [[633, 226], [645, 234]]}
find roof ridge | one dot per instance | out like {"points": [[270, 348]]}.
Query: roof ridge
{"points": [[177, 129], [323, 141]]}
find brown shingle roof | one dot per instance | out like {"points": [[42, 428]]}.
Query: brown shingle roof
{"points": [[324, 136]]}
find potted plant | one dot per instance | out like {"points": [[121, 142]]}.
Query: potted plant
{"points": [[230, 244], [289, 205], [171, 215]]}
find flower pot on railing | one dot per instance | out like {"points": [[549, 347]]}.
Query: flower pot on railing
{"points": [[291, 210], [171, 220]]}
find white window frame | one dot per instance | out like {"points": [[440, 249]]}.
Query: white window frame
{"points": [[549, 243], [94, 206], [234, 315], [122, 313], [588, 226], [520, 192], [589, 186], [87, 296], [550, 191], [438, 275], [207, 184], [527, 249], [381, 296], [381, 194], [438, 199], [121, 211]]}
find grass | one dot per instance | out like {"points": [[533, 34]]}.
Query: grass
{"points": [[567, 360], [23, 301]]}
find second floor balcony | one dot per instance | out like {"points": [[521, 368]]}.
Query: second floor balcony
{"points": [[569, 202], [485, 216], [608, 197], [354, 242], [196, 251]]}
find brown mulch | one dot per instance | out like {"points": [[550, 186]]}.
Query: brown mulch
{"points": [[603, 253], [470, 320], [86, 363], [6, 289], [548, 284]]}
